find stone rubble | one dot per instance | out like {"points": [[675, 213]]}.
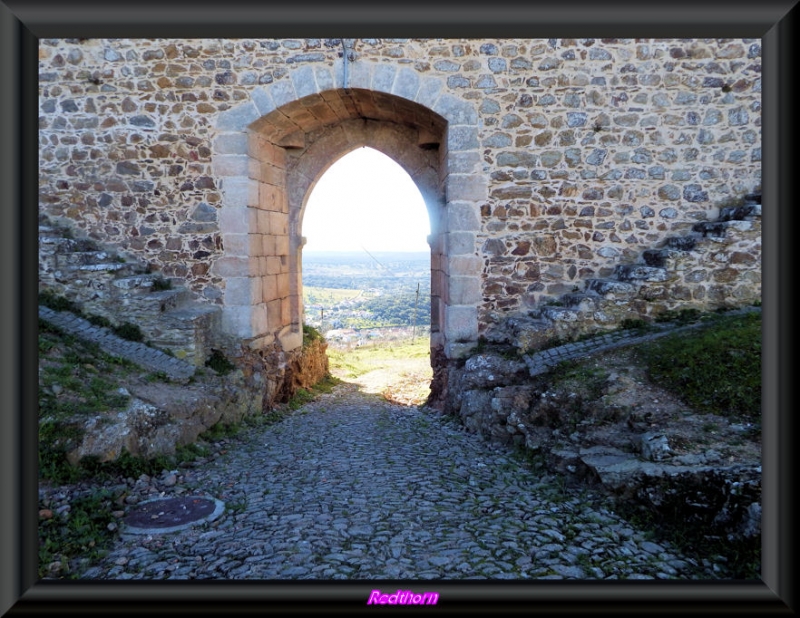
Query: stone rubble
{"points": [[351, 486]]}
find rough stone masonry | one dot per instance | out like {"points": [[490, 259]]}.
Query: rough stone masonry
{"points": [[545, 165]]}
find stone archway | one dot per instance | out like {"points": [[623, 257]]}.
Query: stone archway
{"points": [[400, 143], [270, 152]]}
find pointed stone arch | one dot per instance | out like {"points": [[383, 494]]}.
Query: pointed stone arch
{"points": [[271, 150]]}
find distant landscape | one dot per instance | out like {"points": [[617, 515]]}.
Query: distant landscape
{"points": [[352, 297]]}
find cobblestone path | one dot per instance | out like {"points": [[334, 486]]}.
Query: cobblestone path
{"points": [[353, 487]]}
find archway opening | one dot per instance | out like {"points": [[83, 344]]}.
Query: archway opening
{"points": [[275, 148], [366, 274]]}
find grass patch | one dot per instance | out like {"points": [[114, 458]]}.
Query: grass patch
{"points": [[301, 397], [53, 301], [328, 296], [635, 324], [77, 379], [81, 533], [743, 558], [684, 316], [306, 395], [363, 359], [128, 331], [125, 330], [310, 335], [716, 369]]}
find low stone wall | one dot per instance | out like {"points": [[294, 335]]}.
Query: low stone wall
{"points": [[161, 417], [607, 427]]}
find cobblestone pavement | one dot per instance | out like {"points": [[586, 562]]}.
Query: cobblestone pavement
{"points": [[353, 487]]}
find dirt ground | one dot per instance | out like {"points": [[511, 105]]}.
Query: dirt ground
{"points": [[629, 405], [405, 381]]}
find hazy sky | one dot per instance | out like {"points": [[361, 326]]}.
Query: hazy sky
{"points": [[366, 200]]}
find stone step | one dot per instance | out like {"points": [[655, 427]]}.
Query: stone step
{"points": [[639, 272], [49, 233], [88, 261], [719, 229], [187, 331], [581, 301], [140, 282], [681, 243], [555, 313], [741, 213], [148, 305], [611, 287], [75, 245]]}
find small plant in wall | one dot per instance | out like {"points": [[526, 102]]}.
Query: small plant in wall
{"points": [[161, 284], [219, 363]]}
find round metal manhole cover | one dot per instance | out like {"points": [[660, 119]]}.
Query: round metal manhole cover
{"points": [[172, 514]]}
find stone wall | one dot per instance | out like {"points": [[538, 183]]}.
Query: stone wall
{"points": [[558, 159]]}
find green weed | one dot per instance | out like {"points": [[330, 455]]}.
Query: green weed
{"points": [[715, 370], [219, 363], [161, 284], [82, 533]]}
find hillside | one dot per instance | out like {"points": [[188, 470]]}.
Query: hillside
{"points": [[366, 291]]}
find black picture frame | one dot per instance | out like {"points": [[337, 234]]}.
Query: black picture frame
{"points": [[23, 23]]}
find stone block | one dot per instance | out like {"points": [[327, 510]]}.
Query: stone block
{"points": [[268, 246], [464, 162], [282, 245], [286, 310], [231, 144], [290, 340], [272, 197], [383, 77], [461, 323], [234, 220], [269, 287], [324, 78], [238, 118], [462, 217], [430, 89], [278, 224], [460, 243], [283, 92], [236, 321], [259, 320], [359, 75], [273, 316], [242, 290], [406, 84], [231, 165], [284, 285], [263, 101], [466, 187], [304, 82], [461, 138], [464, 266], [465, 290], [231, 267], [274, 265], [240, 245], [456, 110]]}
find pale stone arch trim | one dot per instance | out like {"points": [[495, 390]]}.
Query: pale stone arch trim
{"points": [[254, 220], [398, 142]]}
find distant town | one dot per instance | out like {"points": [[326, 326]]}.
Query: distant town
{"points": [[360, 296]]}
